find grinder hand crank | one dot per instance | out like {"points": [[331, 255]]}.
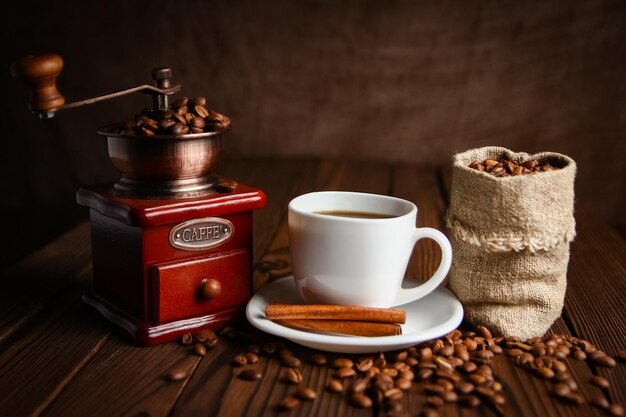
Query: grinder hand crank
{"points": [[40, 72]]}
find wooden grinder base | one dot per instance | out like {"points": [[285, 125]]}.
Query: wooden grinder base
{"points": [[155, 290]]}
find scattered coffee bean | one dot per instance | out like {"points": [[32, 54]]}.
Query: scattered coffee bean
{"points": [[334, 386], [429, 412], [434, 401], [364, 364], [343, 363], [288, 403], [250, 374], [393, 394], [605, 361], [359, 385], [361, 400], [464, 387], [251, 358], [621, 355], [239, 360], [291, 362], [186, 339], [199, 349], [449, 396], [561, 390], [204, 335], [616, 410], [293, 376], [176, 374], [424, 373], [545, 373], [599, 382], [469, 401], [345, 373], [579, 355], [318, 359], [305, 393], [403, 383], [599, 400]]}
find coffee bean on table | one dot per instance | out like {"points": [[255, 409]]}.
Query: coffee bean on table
{"points": [[359, 385], [199, 349], [239, 360], [343, 363], [176, 374], [434, 401], [403, 383], [604, 361], [251, 358], [599, 382], [186, 339], [250, 374], [616, 410], [599, 400], [291, 361], [293, 376], [621, 355], [361, 400], [318, 359], [345, 373], [429, 412], [305, 393], [334, 386], [364, 364], [449, 396], [288, 403], [561, 390], [469, 401]]}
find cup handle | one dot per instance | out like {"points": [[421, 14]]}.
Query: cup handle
{"points": [[406, 295]]}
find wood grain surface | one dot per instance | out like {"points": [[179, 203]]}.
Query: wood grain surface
{"points": [[57, 358]]}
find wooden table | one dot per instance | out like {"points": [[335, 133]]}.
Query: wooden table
{"points": [[59, 358]]}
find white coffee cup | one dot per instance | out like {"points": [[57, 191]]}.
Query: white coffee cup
{"points": [[358, 261]]}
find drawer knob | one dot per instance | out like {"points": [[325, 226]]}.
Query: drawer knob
{"points": [[210, 288]]}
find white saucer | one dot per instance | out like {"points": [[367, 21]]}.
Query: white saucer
{"points": [[430, 317]]}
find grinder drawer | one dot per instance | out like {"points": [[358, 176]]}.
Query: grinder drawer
{"points": [[193, 287]]}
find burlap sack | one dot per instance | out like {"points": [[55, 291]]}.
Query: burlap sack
{"points": [[510, 238]]}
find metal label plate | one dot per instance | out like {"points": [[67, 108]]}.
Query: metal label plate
{"points": [[201, 234]]}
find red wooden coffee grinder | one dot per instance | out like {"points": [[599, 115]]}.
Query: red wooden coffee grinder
{"points": [[171, 241]]}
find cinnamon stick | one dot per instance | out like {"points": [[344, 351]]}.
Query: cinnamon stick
{"points": [[347, 327], [334, 312]]}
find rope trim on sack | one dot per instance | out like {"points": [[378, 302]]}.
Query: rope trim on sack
{"points": [[534, 243]]}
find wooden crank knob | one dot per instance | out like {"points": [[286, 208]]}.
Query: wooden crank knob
{"points": [[210, 289], [40, 72]]}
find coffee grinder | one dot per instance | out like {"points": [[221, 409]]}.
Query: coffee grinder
{"points": [[171, 241]]}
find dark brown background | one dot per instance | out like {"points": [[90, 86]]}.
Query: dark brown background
{"points": [[396, 81]]}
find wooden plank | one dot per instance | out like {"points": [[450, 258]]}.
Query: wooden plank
{"points": [[39, 363], [125, 380], [31, 283]]}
